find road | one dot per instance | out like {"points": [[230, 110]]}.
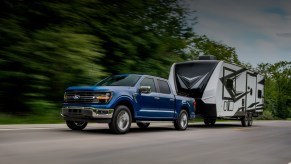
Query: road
{"points": [[267, 142]]}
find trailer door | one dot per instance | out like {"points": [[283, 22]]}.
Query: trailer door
{"points": [[251, 88]]}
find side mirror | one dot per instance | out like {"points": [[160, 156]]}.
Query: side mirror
{"points": [[145, 89]]}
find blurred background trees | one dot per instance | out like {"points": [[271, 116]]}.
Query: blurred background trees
{"points": [[48, 45], [277, 88]]}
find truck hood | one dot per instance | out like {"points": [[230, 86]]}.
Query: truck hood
{"points": [[97, 88]]}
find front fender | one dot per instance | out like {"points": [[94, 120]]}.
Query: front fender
{"points": [[126, 100]]}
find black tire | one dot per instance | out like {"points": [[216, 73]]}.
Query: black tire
{"points": [[250, 119], [244, 120], [182, 122], [121, 120], [207, 121], [143, 125], [76, 125]]}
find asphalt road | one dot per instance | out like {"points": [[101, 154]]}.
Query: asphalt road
{"points": [[267, 142]]}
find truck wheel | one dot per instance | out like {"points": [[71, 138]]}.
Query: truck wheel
{"points": [[121, 120], [182, 122], [244, 120], [143, 125], [76, 125], [250, 119]]}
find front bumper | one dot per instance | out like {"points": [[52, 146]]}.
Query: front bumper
{"points": [[86, 112]]}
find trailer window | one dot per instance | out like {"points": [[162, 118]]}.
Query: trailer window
{"points": [[229, 84], [259, 93]]}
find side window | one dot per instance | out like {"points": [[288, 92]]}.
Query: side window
{"points": [[229, 84], [259, 93], [164, 87], [149, 82]]}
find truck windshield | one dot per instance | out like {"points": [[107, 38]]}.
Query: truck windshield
{"points": [[120, 80]]}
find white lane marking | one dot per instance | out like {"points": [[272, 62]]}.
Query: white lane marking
{"points": [[11, 129]]}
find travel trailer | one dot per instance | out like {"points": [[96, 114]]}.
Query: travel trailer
{"points": [[221, 90]]}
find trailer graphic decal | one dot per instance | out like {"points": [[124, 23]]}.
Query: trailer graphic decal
{"points": [[228, 82], [191, 83], [221, 89], [262, 82], [253, 104]]}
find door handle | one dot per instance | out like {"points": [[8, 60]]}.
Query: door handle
{"points": [[157, 98], [171, 99]]}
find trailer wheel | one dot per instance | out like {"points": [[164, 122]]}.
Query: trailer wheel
{"points": [[143, 125], [121, 120], [212, 121], [250, 119], [207, 121], [76, 125], [182, 122], [244, 120]]}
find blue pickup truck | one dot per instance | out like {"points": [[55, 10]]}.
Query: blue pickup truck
{"points": [[122, 99]]}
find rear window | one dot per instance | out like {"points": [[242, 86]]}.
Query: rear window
{"points": [[164, 87]]}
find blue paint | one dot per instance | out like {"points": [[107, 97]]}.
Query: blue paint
{"points": [[153, 106]]}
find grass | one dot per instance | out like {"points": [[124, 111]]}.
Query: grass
{"points": [[52, 118], [30, 119]]}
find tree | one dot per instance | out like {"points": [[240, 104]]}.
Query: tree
{"points": [[42, 53], [48, 45], [277, 87], [202, 45], [142, 36]]}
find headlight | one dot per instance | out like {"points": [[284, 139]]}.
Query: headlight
{"points": [[103, 97]]}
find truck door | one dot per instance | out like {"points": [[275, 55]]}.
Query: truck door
{"points": [[148, 104], [166, 100], [251, 89]]}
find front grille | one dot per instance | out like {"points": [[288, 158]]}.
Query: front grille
{"points": [[80, 96]]}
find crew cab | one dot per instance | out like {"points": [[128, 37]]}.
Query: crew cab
{"points": [[122, 99]]}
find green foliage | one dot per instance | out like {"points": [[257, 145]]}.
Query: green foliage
{"points": [[48, 118], [142, 36], [277, 88], [202, 45], [48, 45], [267, 115], [42, 54]]}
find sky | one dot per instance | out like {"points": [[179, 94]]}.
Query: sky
{"points": [[259, 30]]}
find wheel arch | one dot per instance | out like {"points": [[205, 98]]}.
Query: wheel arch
{"points": [[186, 108], [128, 104]]}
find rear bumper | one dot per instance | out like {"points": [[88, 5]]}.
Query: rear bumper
{"points": [[78, 113]]}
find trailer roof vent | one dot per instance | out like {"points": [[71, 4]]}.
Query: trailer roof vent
{"points": [[207, 57]]}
